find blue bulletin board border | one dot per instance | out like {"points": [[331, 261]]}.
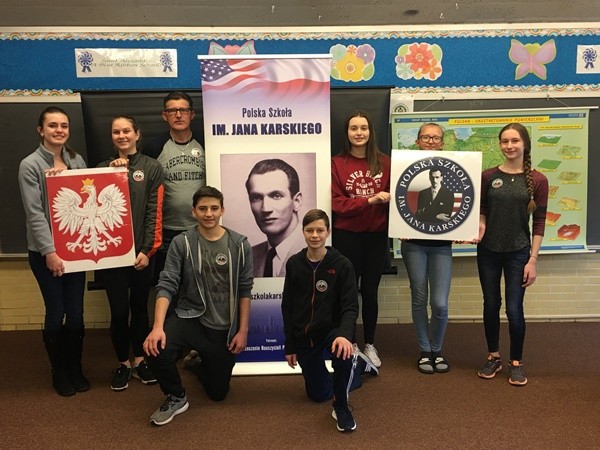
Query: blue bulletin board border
{"points": [[489, 59]]}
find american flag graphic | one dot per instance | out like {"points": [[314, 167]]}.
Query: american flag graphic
{"points": [[279, 77], [413, 196], [457, 202], [454, 184]]}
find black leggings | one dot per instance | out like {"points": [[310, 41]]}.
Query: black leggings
{"points": [[367, 252], [127, 290]]}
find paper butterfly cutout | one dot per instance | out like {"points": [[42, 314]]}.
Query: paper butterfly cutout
{"points": [[247, 48], [530, 58]]}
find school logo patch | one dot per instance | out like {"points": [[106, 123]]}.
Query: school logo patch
{"points": [[497, 183], [138, 175], [434, 195], [321, 285], [221, 259]]}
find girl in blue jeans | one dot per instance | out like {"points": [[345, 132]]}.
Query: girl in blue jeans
{"points": [[510, 194], [429, 268]]}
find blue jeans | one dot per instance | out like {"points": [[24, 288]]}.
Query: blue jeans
{"points": [[429, 272], [491, 265], [63, 296]]}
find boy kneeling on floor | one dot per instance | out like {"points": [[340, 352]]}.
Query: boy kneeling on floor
{"points": [[210, 266], [320, 308]]}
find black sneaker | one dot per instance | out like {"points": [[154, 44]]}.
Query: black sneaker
{"points": [[343, 416], [491, 367], [143, 373], [120, 380]]}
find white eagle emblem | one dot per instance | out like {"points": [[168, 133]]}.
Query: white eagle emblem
{"points": [[92, 221]]}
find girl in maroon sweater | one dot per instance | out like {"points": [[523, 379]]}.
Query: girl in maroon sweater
{"points": [[360, 198]]}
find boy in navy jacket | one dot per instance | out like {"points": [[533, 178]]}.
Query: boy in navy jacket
{"points": [[320, 308]]}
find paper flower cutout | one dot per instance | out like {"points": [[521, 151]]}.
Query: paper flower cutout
{"points": [[531, 58], [352, 63], [419, 60]]}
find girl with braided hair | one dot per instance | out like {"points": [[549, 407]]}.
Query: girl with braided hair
{"points": [[510, 194]]}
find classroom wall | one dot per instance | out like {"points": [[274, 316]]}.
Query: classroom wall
{"points": [[568, 288]]}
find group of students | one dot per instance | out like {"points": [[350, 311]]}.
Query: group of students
{"points": [[159, 206], [208, 268], [511, 194]]}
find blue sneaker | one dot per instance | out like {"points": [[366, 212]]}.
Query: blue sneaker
{"points": [[364, 363], [343, 416]]}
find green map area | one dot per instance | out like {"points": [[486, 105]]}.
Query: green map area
{"points": [[462, 139], [559, 141]]}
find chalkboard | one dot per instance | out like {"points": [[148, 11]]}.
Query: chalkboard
{"points": [[18, 121], [593, 213], [100, 107]]}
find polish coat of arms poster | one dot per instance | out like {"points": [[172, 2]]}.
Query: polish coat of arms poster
{"points": [[90, 216]]}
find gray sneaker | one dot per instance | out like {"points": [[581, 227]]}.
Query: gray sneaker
{"points": [[172, 406], [491, 367], [517, 375]]}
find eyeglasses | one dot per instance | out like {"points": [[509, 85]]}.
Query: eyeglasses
{"points": [[435, 139], [173, 111]]}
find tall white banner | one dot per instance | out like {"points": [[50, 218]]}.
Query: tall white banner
{"points": [[267, 135]]}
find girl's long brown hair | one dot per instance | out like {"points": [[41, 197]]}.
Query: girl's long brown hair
{"points": [[56, 110], [524, 134], [373, 153]]}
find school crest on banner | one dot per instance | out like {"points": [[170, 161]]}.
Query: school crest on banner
{"points": [[90, 216]]}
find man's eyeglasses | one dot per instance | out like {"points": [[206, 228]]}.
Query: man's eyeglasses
{"points": [[435, 139], [173, 111]]}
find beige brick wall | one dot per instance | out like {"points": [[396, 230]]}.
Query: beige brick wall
{"points": [[568, 288], [21, 304]]}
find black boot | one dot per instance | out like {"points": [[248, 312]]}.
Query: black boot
{"points": [[74, 341], [61, 381]]}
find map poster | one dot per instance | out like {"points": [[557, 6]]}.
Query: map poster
{"points": [[90, 216], [559, 149], [435, 195]]}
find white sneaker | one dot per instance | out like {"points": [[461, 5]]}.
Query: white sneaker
{"points": [[371, 352]]}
